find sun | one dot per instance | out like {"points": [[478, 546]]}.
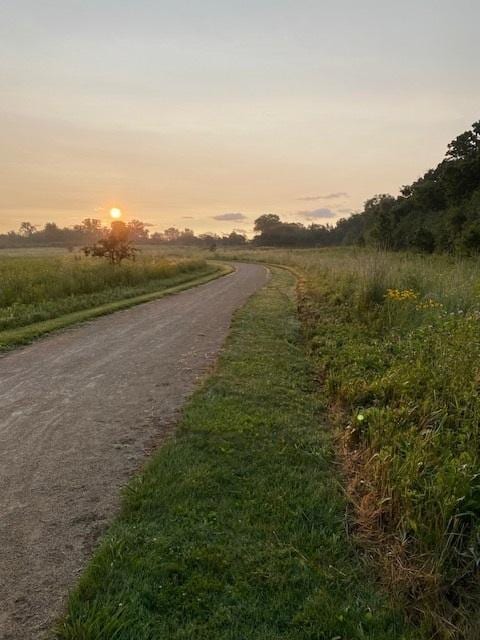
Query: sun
{"points": [[115, 213]]}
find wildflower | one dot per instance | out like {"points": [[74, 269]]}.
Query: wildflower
{"points": [[428, 303], [360, 417], [400, 295]]}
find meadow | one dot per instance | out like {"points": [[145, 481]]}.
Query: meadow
{"points": [[395, 343], [39, 286], [391, 350], [236, 527]]}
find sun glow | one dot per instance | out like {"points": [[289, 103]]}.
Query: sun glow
{"points": [[115, 213]]}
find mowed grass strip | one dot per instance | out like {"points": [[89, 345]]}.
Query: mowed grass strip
{"points": [[236, 528], [120, 298]]}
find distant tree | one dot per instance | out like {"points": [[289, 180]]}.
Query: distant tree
{"points": [[89, 230], [234, 239], [115, 246], [379, 211], [172, 234], [266, 222], [27, 229], [209, 240], [138, 230], [92, 225], [187, 236], [51, 232]]}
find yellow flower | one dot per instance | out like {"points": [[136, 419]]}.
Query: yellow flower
{"points": [[401, 294]]}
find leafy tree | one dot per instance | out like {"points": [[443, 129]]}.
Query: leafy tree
{"points": [[469, 241], [266, 222], [138, 230], [115, 246], [439, 211], [27, 229], [466, 144], [424, 240]]}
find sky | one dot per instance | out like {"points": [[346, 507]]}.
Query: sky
{"points": [[207, 113]]}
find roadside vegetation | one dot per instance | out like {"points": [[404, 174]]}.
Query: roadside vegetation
{"points": [[36, 288], [236, 528], [395, 342]]}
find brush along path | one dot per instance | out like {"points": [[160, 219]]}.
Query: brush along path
{"points": [[117, 298], [236, 529], [78, 409]]}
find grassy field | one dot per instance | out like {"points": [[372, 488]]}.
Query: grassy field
{"points": [[236, 529], [37, 289], [395, 341]]}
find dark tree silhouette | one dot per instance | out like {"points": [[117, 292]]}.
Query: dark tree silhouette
{"points": [[115, 246]]}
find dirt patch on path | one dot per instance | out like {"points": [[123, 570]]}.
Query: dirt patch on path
{"points": [[78, 412]]}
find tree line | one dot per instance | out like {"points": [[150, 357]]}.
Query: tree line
{"points": [[91, 231], [438, 212]]}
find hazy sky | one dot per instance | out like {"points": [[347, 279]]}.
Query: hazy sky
{"points": [[207, 113]]}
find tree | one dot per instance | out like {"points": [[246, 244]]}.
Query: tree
{"points": [[91, 225], [172, 234], [115, 246], [424, 240], [27, 229], [470, 239], [52, 232], [379, 210], [138, 230], [266, 222], [89, 230], [466, 144]]}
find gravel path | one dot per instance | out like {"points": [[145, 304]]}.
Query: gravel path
{"points": [[79, 411]]}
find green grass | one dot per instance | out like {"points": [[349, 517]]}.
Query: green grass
{"points": [[38, 288], [402, 376], [236, 529], [44, 292], [24, 335]]}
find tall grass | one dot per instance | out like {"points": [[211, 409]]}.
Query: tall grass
{"points": [[396, 342], [36, 287]]}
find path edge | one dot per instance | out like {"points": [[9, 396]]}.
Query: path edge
{"points": [[11, 338]]}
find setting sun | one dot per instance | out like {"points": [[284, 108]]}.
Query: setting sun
{"points": [[115, 213]]}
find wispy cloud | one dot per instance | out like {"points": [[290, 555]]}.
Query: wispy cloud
{"points": [[326, 196], [187, 218], [317, 214], [230, 217]]}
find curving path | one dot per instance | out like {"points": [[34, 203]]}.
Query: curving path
{"points": [[79, 411]]}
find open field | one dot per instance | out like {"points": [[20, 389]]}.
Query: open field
{"points": [[37, 289], [392, 346], [236, 529], [395, 341]]}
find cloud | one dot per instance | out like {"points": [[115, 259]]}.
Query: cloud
{"points": [[346, 211], [315, 214], [230, 217], [187, 218], [326, 196]]}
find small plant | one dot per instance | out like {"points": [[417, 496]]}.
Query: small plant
{"points": [[115, 246]]}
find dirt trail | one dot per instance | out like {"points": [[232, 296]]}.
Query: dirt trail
{"points": [[78, 412]]}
